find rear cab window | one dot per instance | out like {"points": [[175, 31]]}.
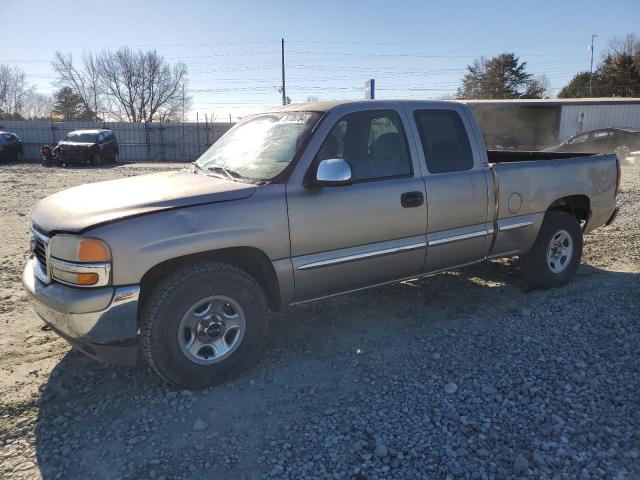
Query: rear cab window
{"points": [[445, 141]]}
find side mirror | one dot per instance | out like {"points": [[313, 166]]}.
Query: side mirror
{"points": [[333, 172]]}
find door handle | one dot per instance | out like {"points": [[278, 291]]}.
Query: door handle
{"points": [[411, 199]]}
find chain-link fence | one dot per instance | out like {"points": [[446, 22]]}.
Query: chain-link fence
{"points": [[139, 142]]}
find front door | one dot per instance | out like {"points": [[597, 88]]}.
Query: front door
{"points": [[370, 232]]}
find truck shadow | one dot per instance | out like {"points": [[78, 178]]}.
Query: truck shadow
{"points": [[113, 422]]}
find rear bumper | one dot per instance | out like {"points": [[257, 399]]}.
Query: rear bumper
{"points": [[100, 322]]}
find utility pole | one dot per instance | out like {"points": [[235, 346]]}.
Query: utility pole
{"points": [[593, 36], [184, 146], [284, 91], [183, 107]]}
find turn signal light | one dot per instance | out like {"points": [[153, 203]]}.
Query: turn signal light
{"points": [[86, 278], [92, 251]]}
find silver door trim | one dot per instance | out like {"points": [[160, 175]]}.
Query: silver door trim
{"points": [[455, 238], [361, 256], [390, 282], [511, 226]]}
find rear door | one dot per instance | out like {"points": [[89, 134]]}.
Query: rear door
{"points": [[106, 146], [459, 228], [351, 236]]}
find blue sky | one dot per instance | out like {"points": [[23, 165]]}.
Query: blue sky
{"points": [[416, 49]]}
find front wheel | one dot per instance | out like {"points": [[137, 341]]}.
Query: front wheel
{"points": [[622, 152], [555, 255], [204, 325], [96, 161]]}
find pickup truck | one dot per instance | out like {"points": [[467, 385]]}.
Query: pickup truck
{"points": [[181, 268]]}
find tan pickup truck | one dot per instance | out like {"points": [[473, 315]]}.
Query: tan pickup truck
{"points": [[294, 205]]}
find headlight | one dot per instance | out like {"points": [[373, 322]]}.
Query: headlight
{"points": [[80, 261]]}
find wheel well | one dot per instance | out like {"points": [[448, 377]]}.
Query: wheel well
{"points": [[251, 260], [577, 205]]}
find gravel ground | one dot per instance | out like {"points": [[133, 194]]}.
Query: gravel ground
{"points": [[460, 375]]}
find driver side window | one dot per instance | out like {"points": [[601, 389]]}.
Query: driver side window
{"points": [[374, 144]]}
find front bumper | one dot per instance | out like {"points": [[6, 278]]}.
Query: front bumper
{"points": [[100, 322], [613, 216], [76, 156]]}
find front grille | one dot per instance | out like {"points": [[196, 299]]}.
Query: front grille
{"points": [[40, 252], [74, 155], [39, 245]]}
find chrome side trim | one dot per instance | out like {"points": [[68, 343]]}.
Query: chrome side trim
{"points": [[361, 256], [103, 270], [456, 238], [390, 282], [511, 226]]}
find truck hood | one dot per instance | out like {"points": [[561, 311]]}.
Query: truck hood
{"points": [[91, 204]]}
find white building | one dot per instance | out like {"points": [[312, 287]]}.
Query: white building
{"points": [[535, 124]]}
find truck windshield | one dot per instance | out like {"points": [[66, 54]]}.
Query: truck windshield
{"points": [[260, 147], [81, 137]]}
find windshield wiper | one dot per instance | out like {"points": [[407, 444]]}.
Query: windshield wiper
{"points": [[231, 175]]}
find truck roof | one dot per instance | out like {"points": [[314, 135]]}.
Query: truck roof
{"points": [[325, 106]]}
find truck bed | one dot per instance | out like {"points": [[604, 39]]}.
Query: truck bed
{"points": [[510, 156], [539, 183]]}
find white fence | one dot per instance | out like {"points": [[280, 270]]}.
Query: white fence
{"points": [[139, 142]]}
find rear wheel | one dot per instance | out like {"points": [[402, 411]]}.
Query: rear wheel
{"points": [[204, 325], [18, 156], [96, 161], [556, 253]]}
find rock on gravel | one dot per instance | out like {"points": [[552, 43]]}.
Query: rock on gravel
{"points": [[520, 463], [381, 451], [199, 425], [450, 388]]}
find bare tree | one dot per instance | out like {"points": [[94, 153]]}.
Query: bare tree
{"points": [[84, 80], [628, 44], [142, 86], [538, 88], [13, 90], [36, 105]]}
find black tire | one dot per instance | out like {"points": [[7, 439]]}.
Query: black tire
{"points": [[171, 299], [534, 265], [96, 161], [19, 156]]}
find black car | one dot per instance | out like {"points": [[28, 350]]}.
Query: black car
{"points": [[89, 147], [622, 141], [10, 147]]}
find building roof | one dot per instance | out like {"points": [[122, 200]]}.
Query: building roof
{"points": [[548, 102]]}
